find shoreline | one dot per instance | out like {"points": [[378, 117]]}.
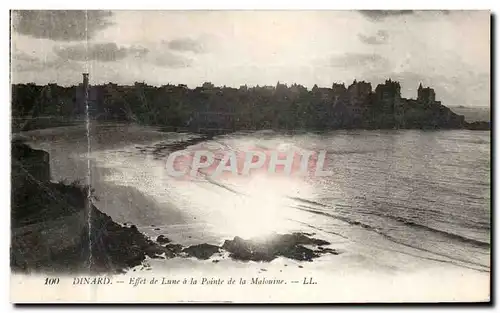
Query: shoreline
{"points": [[473, 126], [131, 246]]}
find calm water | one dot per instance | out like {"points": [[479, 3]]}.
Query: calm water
{"points": [[406, 199]]}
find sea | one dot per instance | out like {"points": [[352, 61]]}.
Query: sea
{"points": [[397, 201]]}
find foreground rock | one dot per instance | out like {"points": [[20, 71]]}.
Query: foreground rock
{"points": [[115, 248], [202, 251], [162, 239], [289, 245]]}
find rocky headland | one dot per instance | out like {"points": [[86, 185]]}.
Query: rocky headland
{"points": [[210, 109]]}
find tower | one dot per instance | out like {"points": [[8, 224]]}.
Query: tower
{"points": [[85, 90], [82, 95], [85, 81], [426, 95]]}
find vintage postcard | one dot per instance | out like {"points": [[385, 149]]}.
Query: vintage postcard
{"points": [[250, 156]]}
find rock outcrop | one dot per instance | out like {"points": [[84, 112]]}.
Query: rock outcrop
{"points": [[162, 240], [482, 125], [202, 251], [289, 245]]}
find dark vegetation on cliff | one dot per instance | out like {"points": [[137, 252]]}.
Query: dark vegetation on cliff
{"points": [[279, 107], [55, 227], [50, 224]]}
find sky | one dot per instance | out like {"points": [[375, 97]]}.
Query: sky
{"points": [[447, 50]]}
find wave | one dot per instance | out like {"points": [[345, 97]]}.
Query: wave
{"points": [[475, 242], [388, 237], [394, 250], [449, 235], [347, 152], [308, 201], [453, 236], [215, 183]]}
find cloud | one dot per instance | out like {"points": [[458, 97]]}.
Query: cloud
{"points": [[370, 62], [378, 15], [24, 62], [169, 59], [105, 52], [23, 56], [60, 25], [185, 44], [381, 37]]}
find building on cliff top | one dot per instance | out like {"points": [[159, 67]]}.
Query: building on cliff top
{"points": [[426, 95]]}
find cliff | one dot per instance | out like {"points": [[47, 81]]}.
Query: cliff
{"points": [[50, 224], [226, 109]]}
